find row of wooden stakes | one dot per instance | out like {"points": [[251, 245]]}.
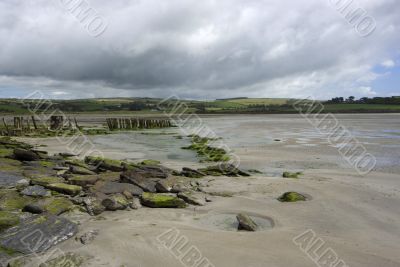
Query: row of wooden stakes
{"points": [[137, 123]]}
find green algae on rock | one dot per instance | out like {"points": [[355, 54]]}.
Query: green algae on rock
{"points": [[294, 175], [292, 197], [161, 201], [65, 188]]}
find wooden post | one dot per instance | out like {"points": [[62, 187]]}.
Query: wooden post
{"points": [[34, 122]]}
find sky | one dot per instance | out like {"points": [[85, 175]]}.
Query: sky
{"points": [[199, 49]]}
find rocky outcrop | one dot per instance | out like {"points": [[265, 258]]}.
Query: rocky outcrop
{"points": [[137, 179], [68, 189], [81, 171], [191, 173], [8, 219], [36, 191], [191, 199], [109, 188], [84, 180]]}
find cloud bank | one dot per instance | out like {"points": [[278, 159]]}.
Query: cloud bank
{"points": [[195, 49]]}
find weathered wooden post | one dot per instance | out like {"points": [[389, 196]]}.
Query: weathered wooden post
{"points": [[34, 122], [56, 122]]}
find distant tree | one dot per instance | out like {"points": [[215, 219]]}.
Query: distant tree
{"points": [[350, 99]]}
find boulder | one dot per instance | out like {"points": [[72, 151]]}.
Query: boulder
{"points": [[93, 206], [80, 170], [246, 223], [109, 188], [224, 169], [161, 201], [37, 234], [25, 155], [115, 202], [8, 219], [190, 199], [150, 162], [21, 184], [36, 191], [33, 208], [68, 189], [149, 171], [292, 197], [135, 204], [134, 178]]}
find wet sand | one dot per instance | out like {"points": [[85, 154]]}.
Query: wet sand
{"points": [[358, 217]]}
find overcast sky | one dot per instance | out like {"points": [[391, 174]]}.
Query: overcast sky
{"points": [[198, 49]]}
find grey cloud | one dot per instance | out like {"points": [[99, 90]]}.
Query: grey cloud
{"points": [[194, 48]]}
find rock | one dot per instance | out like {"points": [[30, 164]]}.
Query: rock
{"points": [[161, 201], [246, 223], [68, 189], [88, 237], [149, 171], [292, 197], [93, 206], [137, 179], [25, 155], [21, 184], [56, 206], [81, 170], [135, 204], [8, 219], [105, 164], [294, 175], [32, 208], [207, 199], [163, 187], [84, 180], [190, 199], [115, 188], [115, 202], [37, 234], [224, 169], [65, 260], [109, 176], [76, 162], [43, 181], [36, 191], [191, 173]]}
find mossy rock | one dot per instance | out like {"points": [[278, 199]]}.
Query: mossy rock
{"points": [[65, 260], [150, 162], [293, 175], [104, 163], [109, 176], [162, 201], [8, 219], [84, 180], [47, 164], [43, 181], [10, 165], [12, 201], [77, 162], [292, 197], [57, 206], [68, 189]]}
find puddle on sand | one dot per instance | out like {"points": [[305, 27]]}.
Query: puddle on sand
{"points": [[228, 222]]}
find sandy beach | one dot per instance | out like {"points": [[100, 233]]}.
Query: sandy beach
{"points": [[356, 216]]}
